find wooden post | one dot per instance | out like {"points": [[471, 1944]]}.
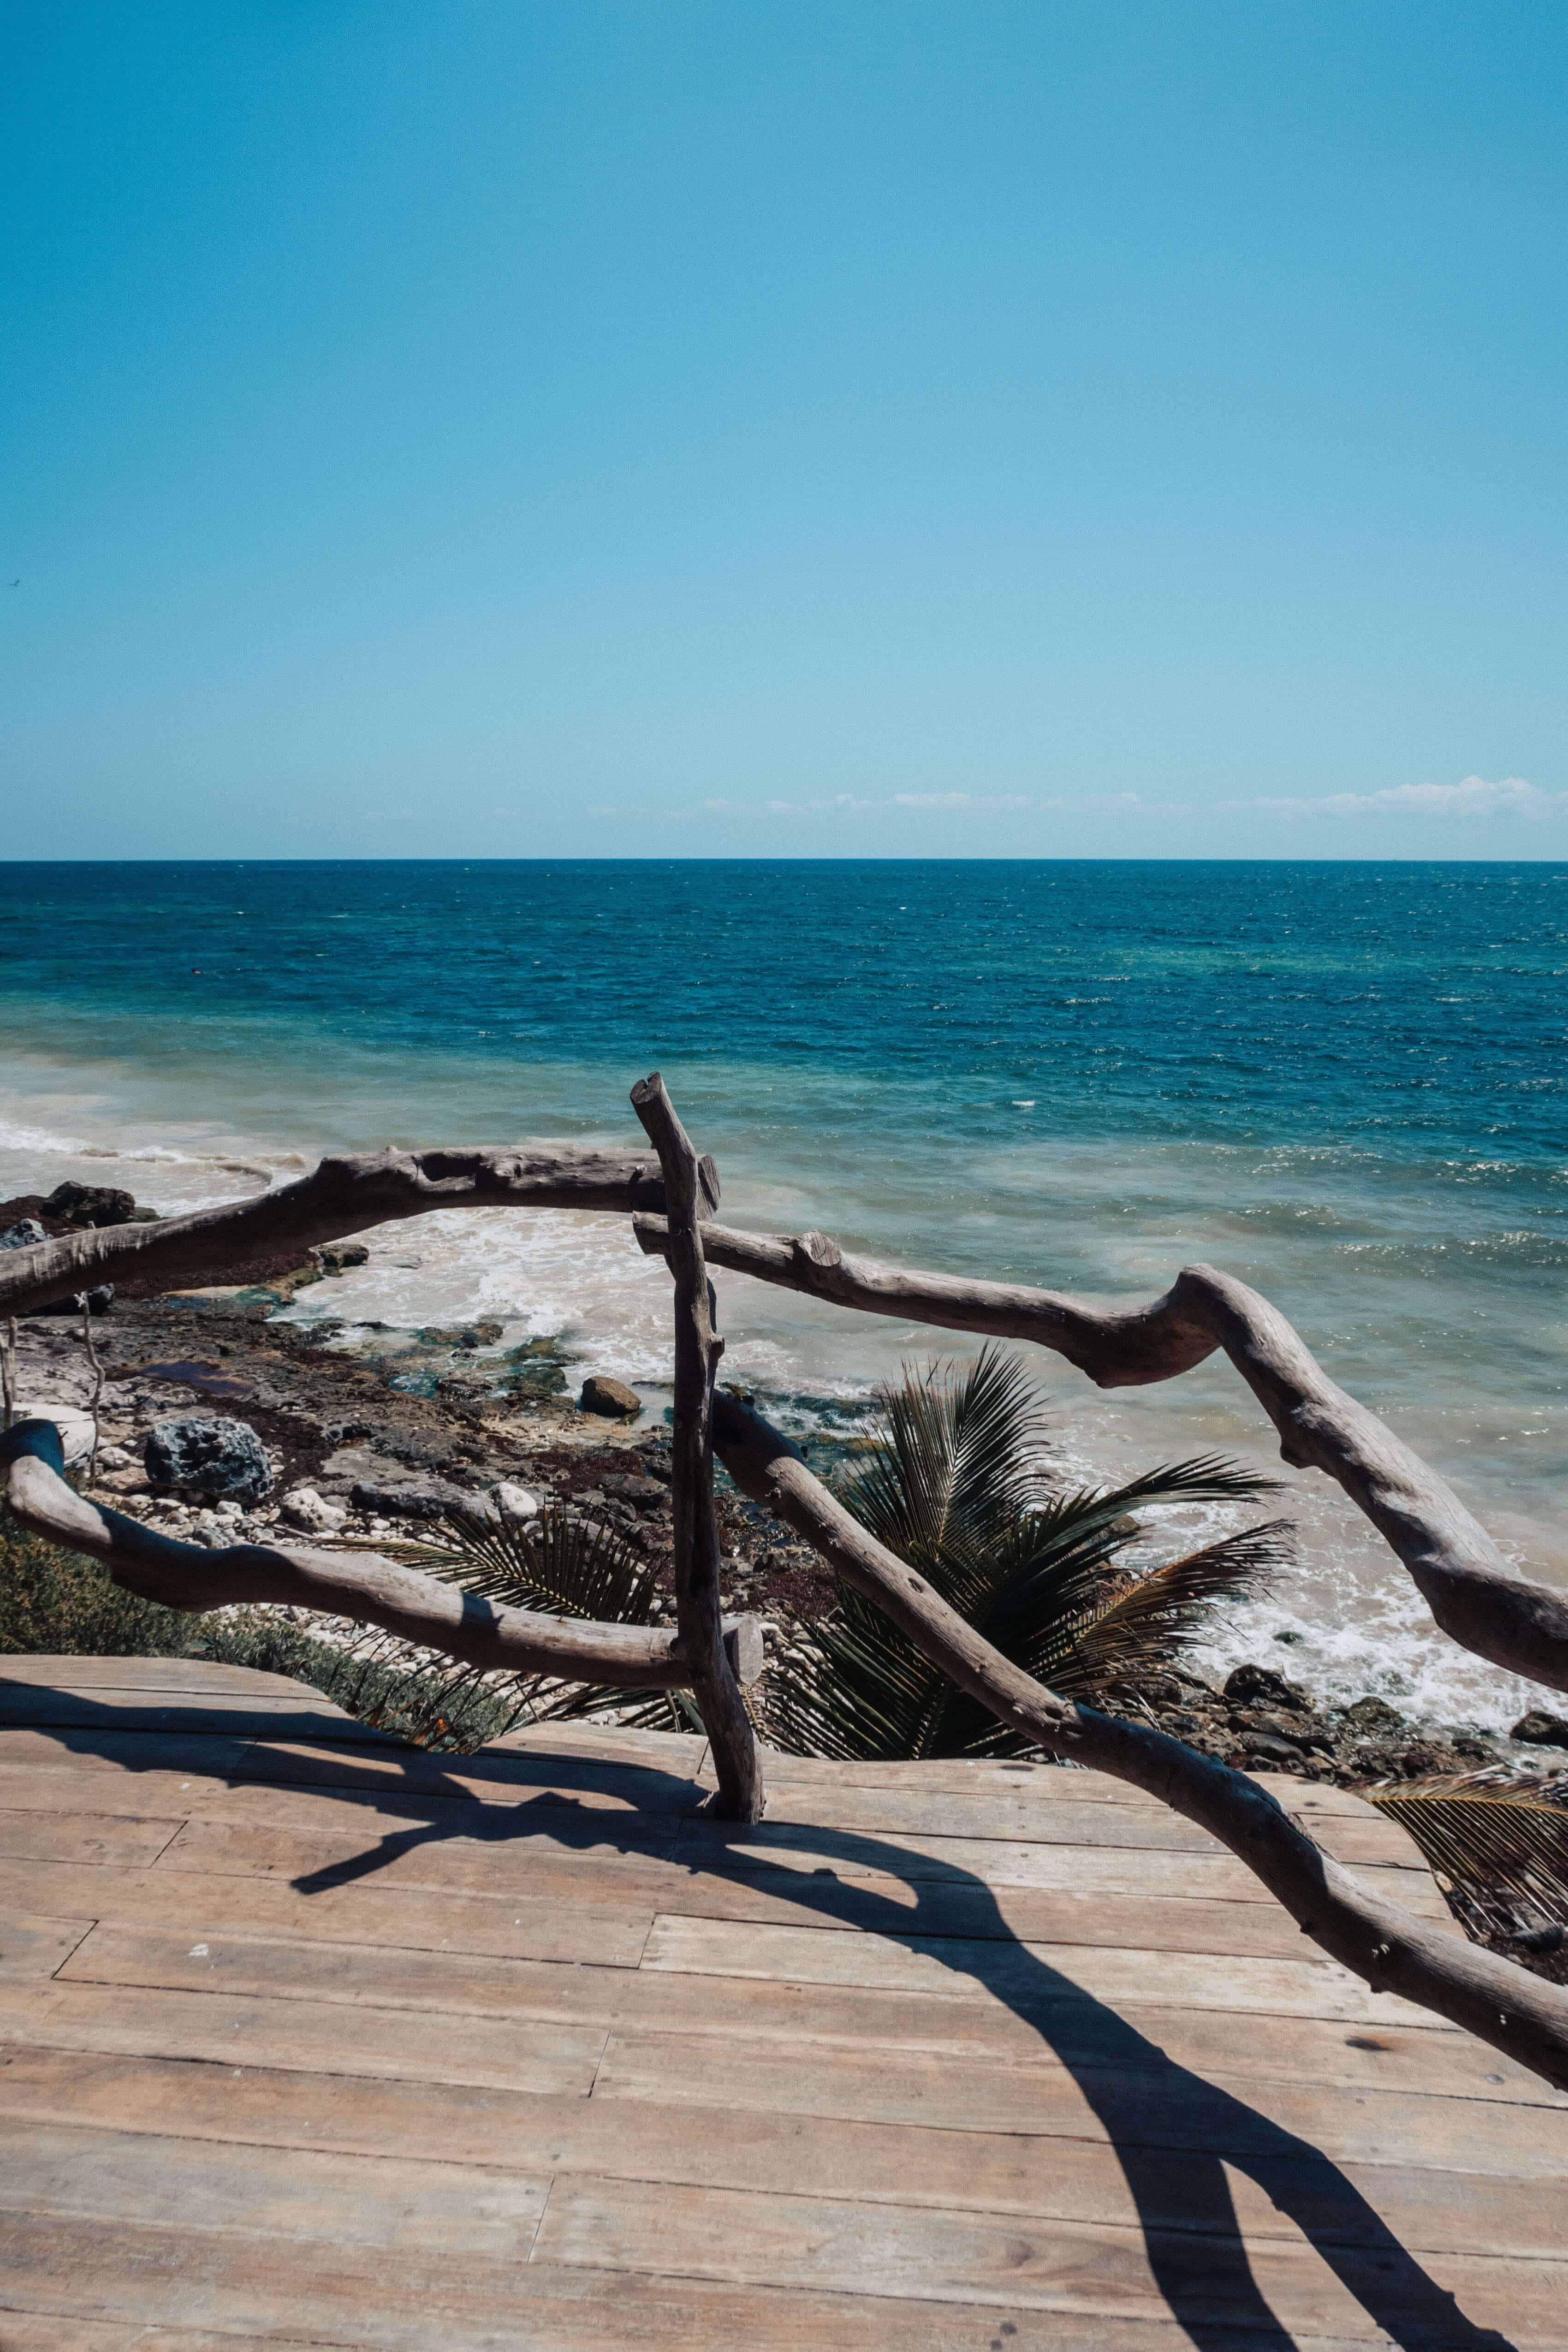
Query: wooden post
{"points": [[691, 1193]]}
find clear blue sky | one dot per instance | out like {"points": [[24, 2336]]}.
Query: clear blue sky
{"points": [[752, 429]]}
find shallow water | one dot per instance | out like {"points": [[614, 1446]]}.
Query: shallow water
{"points": [[1345, 1083]]}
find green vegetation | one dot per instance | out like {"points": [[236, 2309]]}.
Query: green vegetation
{"points": [[954, 1481], [56, 1603]]}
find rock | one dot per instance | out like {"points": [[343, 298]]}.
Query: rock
{"points": [[1539, 1729], [1273, 1748], [514, 1502], [92, 1204], [304, 1509], [1296, 1728], [23, 1234], [413, 1498], [128, 1479], [75, 1426], [1540, 1941], [1247, 1685], [338, 1256], [211, 1455], [115, 1457], [1374, 1719], [611, 1398], [643, 1492], [98, 1301], [460, 1335]]}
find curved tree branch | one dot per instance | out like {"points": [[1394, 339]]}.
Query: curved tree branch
{"points": [[1379, 1942], [344, 1195], [356, 1584], [1475, 1596]]}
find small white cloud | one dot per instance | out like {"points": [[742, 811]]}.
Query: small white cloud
{"points": [[717, 804], [1474, 797], [982, 802]]}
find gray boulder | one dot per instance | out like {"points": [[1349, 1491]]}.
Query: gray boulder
{"points": [[611, 1398], [413, 1498], [23, 1234], [209, 1455], [94, 1205], [1539, 1729], [98, 1301]]}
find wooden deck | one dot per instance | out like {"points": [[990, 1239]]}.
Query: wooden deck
{"points": [[309, 2040]]}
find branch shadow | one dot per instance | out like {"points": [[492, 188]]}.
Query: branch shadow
{"points": [[1173, 2132]]}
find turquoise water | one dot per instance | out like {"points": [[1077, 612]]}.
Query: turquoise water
{"points": [[1346, 1083]]}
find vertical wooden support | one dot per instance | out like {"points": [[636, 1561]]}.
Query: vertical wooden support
{"points": [[691, 1193]]}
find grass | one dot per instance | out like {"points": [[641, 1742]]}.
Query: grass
{"points": [[56, 1603]]}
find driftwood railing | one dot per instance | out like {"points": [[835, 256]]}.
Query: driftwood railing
{"points": [[1475, 1598]]}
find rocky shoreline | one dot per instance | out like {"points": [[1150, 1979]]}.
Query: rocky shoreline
{"points": [[374, 1444]]}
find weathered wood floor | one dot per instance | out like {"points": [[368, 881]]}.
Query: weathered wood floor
{"points": [[309, 2040]]}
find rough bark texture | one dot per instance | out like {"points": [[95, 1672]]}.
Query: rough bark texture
{"points": [[1475, 1596], [1383, 1945], [356, 1584], [691, 1186], [342, 1196]]}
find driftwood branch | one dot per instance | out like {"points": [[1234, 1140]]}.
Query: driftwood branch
{"points": [[691, 1186], [342, 1196], [1378, 1941], [360, 1585], [1475, 1596]]}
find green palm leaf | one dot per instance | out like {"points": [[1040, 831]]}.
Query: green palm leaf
{"points": [[564, 1568], [954, 1483]]}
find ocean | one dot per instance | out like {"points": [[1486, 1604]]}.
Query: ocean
{"points": [[1345, 1083]]}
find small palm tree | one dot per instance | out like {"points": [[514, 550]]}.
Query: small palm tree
{"points": [[565, 1567], [953, 1483]]}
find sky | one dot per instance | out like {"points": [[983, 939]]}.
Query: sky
{"points": [[783, 430]]}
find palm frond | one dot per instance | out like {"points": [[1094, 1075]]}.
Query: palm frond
{"points": [[568, 1568], [1501, 1855], [565, 1567], [955, 1466], [1149, 1619], [954, 1482]]}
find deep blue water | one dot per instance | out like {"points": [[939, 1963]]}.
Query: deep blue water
{"points": [[1416, 1009]]}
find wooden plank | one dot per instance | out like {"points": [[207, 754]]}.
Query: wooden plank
{"points": [[111, 1754], [546, 1926], [1346, 2095], [527, 2054], [393, 1776], [816, 2243], [458, 2038], [164, 2278], [24, 2331], [592, 1909], [1061, 2010], [120, 1838], [232, 1717], [411, 1855], [33, 1945], [297, 2194], [202, 1676], [1028, 1976], [991, 1862], [1362, 1835], [1282, 2186]]}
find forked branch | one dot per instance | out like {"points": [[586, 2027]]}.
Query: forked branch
{"points": [[1378, 1941], [692, 1185], [361, 1585], [1475, 1597]]}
